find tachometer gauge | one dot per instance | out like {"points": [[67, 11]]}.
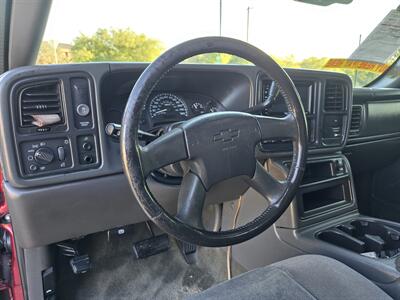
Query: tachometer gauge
{"points": [[167, 106]]}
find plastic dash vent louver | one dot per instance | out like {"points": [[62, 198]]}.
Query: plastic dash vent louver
{"points": [[356, 119], [40, 99], [334, 96]]}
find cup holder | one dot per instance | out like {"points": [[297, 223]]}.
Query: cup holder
{"points": [[368, 238]]}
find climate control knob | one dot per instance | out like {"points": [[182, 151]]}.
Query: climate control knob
{"points": [[44, 156]]}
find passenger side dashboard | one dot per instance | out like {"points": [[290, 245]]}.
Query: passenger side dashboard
{"points": [[375, 114], [374, 133]]}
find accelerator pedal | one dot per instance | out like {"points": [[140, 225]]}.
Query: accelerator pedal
{"points": [[151, 246], [188, 252]]}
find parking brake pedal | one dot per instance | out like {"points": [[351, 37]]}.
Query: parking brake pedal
{"points": [[151, 246], [80, 263]]}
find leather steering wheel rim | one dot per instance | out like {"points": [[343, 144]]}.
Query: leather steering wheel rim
{"points": [[137, 158]]}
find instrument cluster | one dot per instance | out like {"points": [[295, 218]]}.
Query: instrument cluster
{"points": [[166, 107]]}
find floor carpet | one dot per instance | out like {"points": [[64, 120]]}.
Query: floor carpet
{"points": [[116, 274]]}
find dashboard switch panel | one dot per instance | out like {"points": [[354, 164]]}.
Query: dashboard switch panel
{"points": [[86, 150], [81, 101], [332, 131], [45, 156]]}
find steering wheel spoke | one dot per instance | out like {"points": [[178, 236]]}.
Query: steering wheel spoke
{"points": [[167, 149], [264, 183], [191, 201], [273, 127]]}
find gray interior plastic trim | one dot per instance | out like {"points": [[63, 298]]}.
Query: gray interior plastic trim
{"points": [[379, 114], [27, 25], [36, 261], [5, 10], [383, 117], [378, 270], [263, 249], [46, 215], [8, 152], [292, 219]]}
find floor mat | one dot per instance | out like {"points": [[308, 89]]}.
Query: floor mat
{"points": [[117, 275]]}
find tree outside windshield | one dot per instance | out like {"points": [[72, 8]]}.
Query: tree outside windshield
{"points": [[360, 39]]}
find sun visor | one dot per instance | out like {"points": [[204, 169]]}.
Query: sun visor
{"points": [[382, 44]]}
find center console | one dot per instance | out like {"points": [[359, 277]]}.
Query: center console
{"points": [[371, 238], [323, 219], [326, 190]]}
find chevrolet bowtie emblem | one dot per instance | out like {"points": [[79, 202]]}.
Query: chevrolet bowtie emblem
{"points": [[226, 136]]}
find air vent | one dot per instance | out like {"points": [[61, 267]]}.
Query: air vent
{"points": [[40, 99], [334, 96], [356, 119]]}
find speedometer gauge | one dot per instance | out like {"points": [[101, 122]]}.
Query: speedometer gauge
{"points": [[167, 106]]}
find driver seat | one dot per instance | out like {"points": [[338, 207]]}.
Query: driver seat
{"points": [[301, 277]]}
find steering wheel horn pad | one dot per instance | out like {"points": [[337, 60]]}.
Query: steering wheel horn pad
{"points": [[221, 146], [212, 148]]}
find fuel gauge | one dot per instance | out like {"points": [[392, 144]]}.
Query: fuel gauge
{"points": [[211, 107]]}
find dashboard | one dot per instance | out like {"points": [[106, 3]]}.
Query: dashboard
{"points": [[58, 155], [62, 169], [60, 122]]}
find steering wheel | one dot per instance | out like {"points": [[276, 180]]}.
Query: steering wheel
{"points": [[212, 148]]}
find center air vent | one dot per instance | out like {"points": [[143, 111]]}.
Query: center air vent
{"points": [[334, 96], [356, 119], [40, 99]]}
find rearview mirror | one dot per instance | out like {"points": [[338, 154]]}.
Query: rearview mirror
{"points": [[325, 2]]}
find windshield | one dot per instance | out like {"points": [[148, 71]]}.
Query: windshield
{"points": [[361, 38]]}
